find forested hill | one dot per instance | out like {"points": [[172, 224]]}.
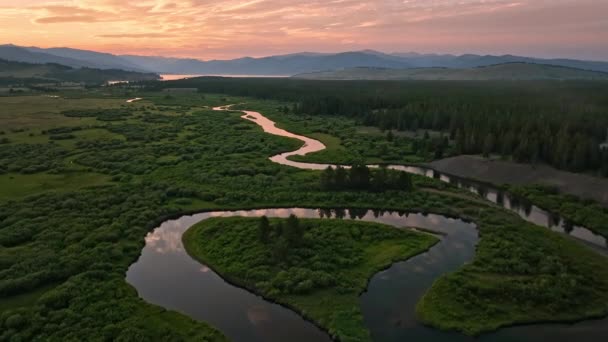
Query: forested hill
{"points": [[505, 71], [26, 73], [561, 123]]}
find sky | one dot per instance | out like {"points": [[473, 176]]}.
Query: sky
{"points": [[225, 29]]}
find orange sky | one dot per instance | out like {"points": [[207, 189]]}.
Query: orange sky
{"points": [[209, 29]]}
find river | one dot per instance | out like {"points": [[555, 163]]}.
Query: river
{"points": [[165, 275], [524, 208]]}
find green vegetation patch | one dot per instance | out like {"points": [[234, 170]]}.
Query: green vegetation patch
{"points": [[120, 315], [521, 274], [30, 158], [317, 267], [344, 142], [14, 186], [43, 112], [100, 114]]}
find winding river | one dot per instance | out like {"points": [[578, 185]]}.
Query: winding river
{"points": [[165, 275]]}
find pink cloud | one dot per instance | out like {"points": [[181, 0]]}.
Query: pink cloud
{"points": [[231, 28], [66, 19]]}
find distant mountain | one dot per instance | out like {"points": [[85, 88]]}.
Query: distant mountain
{"points": [[99, 60], [166, 65], [19, 54], [471, 61], [312, 62], [68, 57], [290, 64], [28, 73], [274, 65], [505, 71]]}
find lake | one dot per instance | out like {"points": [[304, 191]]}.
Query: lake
{"points": [[173, 77]]}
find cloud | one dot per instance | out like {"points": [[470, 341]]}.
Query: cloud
{"points": [[369, 24], [231, 28], [66, 19], [137, 35]]}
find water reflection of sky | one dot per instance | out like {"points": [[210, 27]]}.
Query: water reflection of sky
{"points": [[165, 275], [167, 238], [532, 213]]}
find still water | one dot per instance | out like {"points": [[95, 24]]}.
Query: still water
{"points": [[174, 77], [165, 275]]}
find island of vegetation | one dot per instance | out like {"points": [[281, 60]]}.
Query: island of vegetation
{"points": [[317, 267]]}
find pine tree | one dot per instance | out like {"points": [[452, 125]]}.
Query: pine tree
{"points": [[293, 231], [404, 181], [359, 177], [389, 136], [488, 145], [328, 181], [460, 142], [379, 180], [340, 178]]}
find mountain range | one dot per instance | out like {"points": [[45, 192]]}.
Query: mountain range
{"points": [[284, 65], [21, 73], [506, 71]]}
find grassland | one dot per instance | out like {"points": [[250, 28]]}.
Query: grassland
{"points": [[15, 185]]}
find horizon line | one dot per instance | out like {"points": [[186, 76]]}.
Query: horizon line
{"points": [[368, 50]]}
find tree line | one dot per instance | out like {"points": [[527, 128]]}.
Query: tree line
{"points": [[360, 177], [562, 124]]}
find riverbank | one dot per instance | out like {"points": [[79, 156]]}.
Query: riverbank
{"points": [[521, 274], [505, 172], [580, 212], [321, 278]]}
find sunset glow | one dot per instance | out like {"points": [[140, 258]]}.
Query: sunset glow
{"points": [[235, 28]]}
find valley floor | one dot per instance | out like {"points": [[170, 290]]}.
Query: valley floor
{"points": [[66, 245]]}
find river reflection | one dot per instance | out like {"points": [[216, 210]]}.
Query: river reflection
{"points": [[165, 275]]}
